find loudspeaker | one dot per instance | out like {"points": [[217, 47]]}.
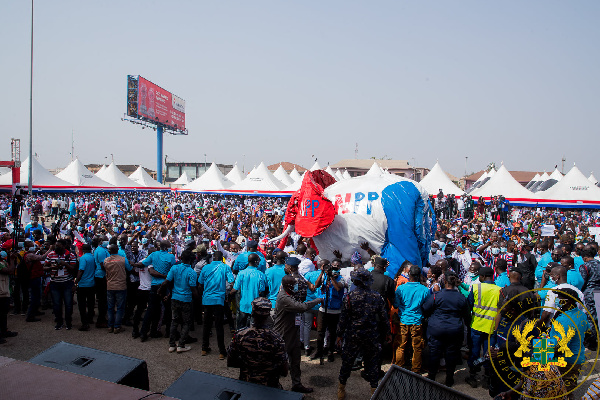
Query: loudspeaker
{"points": [[95, 364], [400, 383], [193, 385]]}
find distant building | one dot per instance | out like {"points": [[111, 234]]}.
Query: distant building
{"points": [[397, 167], [193, 169], [287, 166]]}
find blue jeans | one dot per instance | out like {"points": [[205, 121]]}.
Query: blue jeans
{"points": [[479, 340], [116, 298], [62, 292], [35, 286]]}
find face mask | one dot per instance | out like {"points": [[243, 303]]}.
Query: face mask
{"points": [[503, 249], [449, 256], [80, 228], [472, 275], [144, 240], [233, 253], [115, 229], [296, 288], [552, 280], [105, 243], [495, 250], [433, 251]]}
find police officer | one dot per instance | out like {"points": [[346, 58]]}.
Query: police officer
{"points": [[258, 351], [362, 319], [288, 314]]}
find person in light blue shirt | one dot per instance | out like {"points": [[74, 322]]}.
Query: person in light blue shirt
{"points": [[251, 283], [183, 281], [100, 254], [85, 287], [409, 301], [573, 276], [213, 281], [241, 262], [274, 276], [502, 278], [542, 248]]}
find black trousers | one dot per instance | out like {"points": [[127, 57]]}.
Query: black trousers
{"points": [[132, 288], [152, 316], [141, 298], [326, 321], [86, 300], [213, 313], [20, 293], [447, 346], [100, 286]]}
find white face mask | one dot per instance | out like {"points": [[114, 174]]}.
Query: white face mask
{"points": [[495, 250]]}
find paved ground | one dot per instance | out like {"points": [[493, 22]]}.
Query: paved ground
{"points": [[164, 368]]}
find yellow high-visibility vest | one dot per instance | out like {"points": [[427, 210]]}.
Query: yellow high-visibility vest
{"points": [[486, 297]]}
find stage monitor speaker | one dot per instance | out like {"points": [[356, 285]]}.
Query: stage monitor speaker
{"points": [[94, 363], [193, 385], [401, 383]]}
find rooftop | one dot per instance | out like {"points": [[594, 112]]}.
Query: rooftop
{"points": [[287, 166]]}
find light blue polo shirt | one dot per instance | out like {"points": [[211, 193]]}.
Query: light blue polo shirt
{"points": [[162, 262], [249, 282], [241, 262], [577, 320], [99, 255], [274, 275], [502, 280], [214, 277], [409, 302], [184, 279], [541, 266], [574, 278], [312, 277], [87, 264]]}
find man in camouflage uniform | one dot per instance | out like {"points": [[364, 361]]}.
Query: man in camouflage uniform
{"points": [[590, 272], [259, 351], [362, 321]]}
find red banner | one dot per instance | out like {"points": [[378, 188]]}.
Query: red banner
{"points": [[157, 104]]}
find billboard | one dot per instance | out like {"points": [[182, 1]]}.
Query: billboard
{"points": [[148, 101]]}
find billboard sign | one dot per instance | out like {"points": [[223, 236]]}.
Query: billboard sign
{"points": [[155, 104]]}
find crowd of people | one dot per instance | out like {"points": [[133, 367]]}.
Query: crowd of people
{"points": [[148, 260]]}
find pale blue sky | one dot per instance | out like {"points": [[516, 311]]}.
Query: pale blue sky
{"points": [[512, 81]]}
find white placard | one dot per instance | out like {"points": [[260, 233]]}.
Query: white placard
{"points": [[548, 230]]}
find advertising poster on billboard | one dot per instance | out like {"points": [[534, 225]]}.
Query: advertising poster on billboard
{"points": [[157, 104]]}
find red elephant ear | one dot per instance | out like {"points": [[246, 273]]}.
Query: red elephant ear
{"points": [[308, 208]]}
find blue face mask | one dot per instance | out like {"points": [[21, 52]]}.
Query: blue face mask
{"points": [[105, 243], [503, 249], [144, 240]]}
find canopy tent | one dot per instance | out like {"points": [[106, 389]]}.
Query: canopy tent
{"points": [[330, 172], [535, 179], [593, 179], [374, 171], [338, 175], [346, 175], [260, 182], [78, 175], [315, 166], [183, 180], [212, 180], [42, 180], [115, 177], [235, 175], [295, 175], [283, 176], [296, 185], [573, 191], [543, 178], [502, 183], [437, 180], [556, 176], [144, 179], [101, 172], [479, 181]]}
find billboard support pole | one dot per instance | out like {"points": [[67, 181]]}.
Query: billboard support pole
{"points": [[159, 153]]}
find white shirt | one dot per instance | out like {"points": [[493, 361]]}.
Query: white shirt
{"points": [[145, 278], [553, 294], [305, 266]]}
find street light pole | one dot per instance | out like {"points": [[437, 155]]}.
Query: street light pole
{"points": [[466, 158], [30, 172]]}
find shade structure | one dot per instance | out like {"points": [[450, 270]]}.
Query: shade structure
{"points": [[212, 181], [144, 179], [543, 178], [78, 175], [235, 175], [338, 175], [502, 183], [346, 175], [556, 176], [296, 185], [479, 181], [315, 166], [573, 191], [592, 179], [115, 177], [260, 182], [295, 175], [42, 179], [283, 176], [374, 171], [330, 172], [183, 180], [101, 172], [437, 180], [533, 181]]}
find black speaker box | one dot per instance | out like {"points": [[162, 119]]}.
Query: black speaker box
{"points": [[193, 385], [400, 383], [94, 363]]}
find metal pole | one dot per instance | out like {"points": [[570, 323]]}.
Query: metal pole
{"points": [[159, 152], [30, 172]]}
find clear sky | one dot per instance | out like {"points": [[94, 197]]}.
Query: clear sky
{"points": [[512, 81]]}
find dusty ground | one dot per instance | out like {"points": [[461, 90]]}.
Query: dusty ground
{"points": [[164, 368]]}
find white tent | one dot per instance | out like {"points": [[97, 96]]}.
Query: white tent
{"points": [[346, 175], [330, 172], [283, 176], [235, 175], [296, 185], [259, 180], [115, 177], [556, 176], [437, 179], [574, 189], [101, 172], [543, 178], [374, 171], [78, 175], [338, 175], [41, 177], [295, 175], [479, 181], [315, 166], [592, 178], [143, 178], [535, 179], [503, 183], [212, 180], [183, 180]]}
